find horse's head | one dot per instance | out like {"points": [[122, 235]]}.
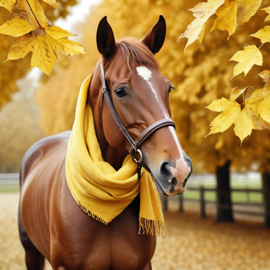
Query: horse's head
{"points": [[140, 96]]}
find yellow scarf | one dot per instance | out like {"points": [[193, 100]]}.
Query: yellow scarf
{"points": [[101, 191]]}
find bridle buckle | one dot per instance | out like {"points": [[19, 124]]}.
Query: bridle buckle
{"points": [[135, 159]]}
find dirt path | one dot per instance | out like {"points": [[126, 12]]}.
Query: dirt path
{"points": [[192, 243]]}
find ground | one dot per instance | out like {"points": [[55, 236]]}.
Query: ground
{"points": [[191, 243]]}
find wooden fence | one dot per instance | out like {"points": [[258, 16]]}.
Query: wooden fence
{"points": [[203, 202]]}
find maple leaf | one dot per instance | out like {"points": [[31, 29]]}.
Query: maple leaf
{"points": [[44, 47], [250, 8], [8, 4], [202, 12], [247, 58], [267, 11], [226, 17], [21, 47], [35, 12], [56, 32], [51, 3], [263, 34], [16, 27], [231, 113]]}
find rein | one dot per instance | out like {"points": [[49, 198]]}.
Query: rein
{"points": [[134, 149]]}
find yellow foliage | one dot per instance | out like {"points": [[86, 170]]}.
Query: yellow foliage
{"points": [[200, 75], [16, 27], [202, 12], [8, 4], [44, 40], [11, 71], [227, 17], [267, 10], [247, 58], [263, 34]]}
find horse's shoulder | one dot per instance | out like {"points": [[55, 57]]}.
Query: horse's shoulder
{"points": [[44, 147]]}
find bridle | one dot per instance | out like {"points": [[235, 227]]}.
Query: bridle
{"points": [[134, 149]]}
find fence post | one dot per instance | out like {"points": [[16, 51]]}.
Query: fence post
{"points": [[202, 202], [181, 209]]}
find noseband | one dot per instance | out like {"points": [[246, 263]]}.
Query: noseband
{"points": [[134, 151]]}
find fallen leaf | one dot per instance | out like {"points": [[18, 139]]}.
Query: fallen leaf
{"points": [[247, 58], [227, 17], [263, 34], [16, 27], [202, 12]]}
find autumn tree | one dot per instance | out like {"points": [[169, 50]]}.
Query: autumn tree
{"points": [[200, 75]]}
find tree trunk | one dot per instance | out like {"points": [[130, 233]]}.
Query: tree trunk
{"points": [[266, 198], [224, 202]]}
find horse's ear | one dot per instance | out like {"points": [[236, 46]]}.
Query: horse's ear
{"points": [[105, 38], [154, 39]]}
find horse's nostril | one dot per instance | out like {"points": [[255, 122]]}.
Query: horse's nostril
{"points": [[165, 170]]}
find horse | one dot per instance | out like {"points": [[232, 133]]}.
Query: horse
{"points": [[51, 225]]}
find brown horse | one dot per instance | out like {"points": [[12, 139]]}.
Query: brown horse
{"points": [[51, 224]]}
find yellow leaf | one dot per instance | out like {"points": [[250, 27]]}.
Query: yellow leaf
{"points": [[16, 27], [34, 12], [267, 11], [263, 34], [265, 75], [43, 55], [202, 12], [8, 4], [51, 3], [243, 125], [264, 109], [69, 47], [236, 92], [231, 112], [227, 17], [250, 8], [220, 105], [247, 58], [21, 47], [56, 32], [201, 35], [256, 106]]}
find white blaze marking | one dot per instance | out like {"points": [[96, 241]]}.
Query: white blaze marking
{"points": [[146, 74]]}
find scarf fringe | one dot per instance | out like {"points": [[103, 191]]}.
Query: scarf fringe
{"points": [[90, 214], [153, 227]]}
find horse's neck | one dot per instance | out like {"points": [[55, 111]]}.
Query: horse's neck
{"points": [[110, 154]]}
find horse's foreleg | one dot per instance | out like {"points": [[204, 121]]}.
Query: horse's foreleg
{"points": [[33, 258]]}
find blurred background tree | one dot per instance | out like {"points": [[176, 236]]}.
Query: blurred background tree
{"points": [[19, 119]]}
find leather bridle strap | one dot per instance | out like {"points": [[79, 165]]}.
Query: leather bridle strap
{"points": [[142, 137]]}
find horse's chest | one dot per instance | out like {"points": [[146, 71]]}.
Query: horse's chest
{"points": [[80, 242]]}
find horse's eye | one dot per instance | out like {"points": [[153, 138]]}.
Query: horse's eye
{"points": [[170, 88], [120, 92]]}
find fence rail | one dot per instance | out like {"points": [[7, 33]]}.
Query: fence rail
{"points": [[203, 202]]}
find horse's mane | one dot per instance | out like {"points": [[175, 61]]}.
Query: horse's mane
{"points": [[134, 51]]}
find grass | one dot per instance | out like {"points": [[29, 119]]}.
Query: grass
{"points": [[9, 188]]}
